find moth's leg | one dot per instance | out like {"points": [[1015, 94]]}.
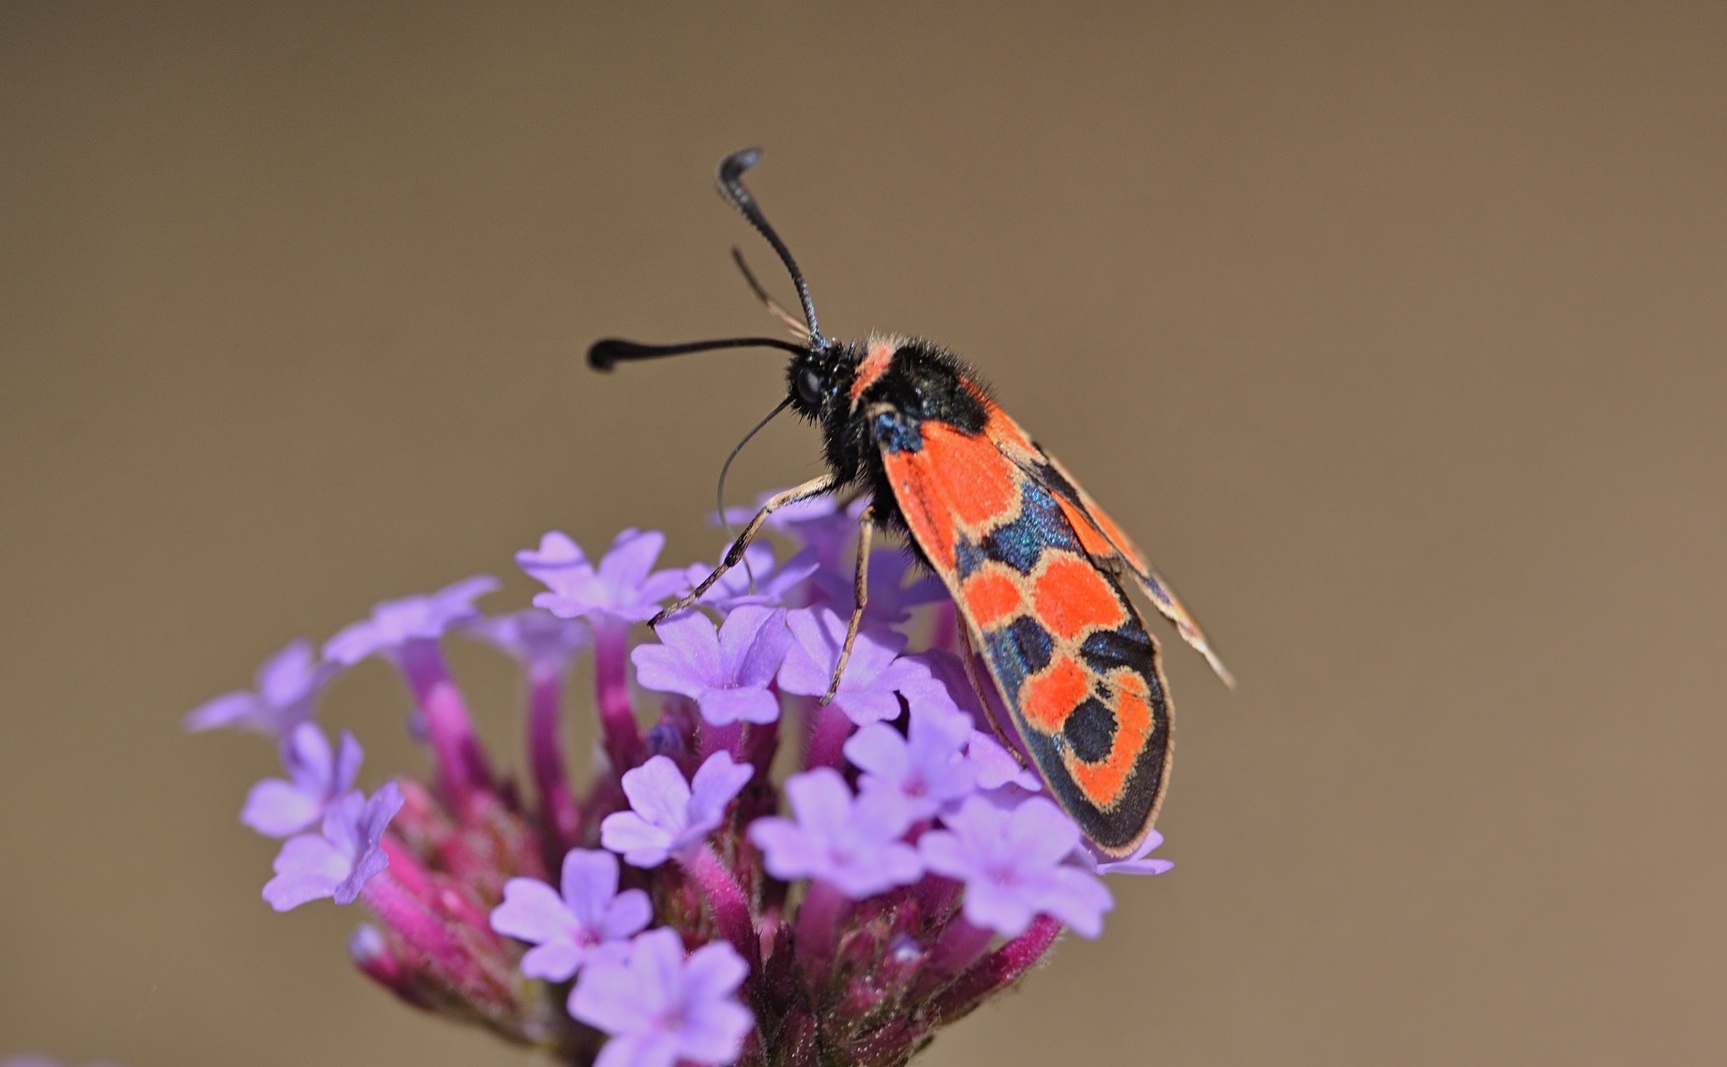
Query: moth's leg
{"points": [[860, 597], [983, 697], [735, 554]]}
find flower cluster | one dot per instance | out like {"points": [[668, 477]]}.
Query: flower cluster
{"points": [[685, 907]]}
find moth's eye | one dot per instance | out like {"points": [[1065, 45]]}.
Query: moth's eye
{"points": [[810, 388]]}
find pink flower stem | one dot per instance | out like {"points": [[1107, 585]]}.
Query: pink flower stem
{"points": [[761, 741], [728, 739], [726, 899], [546, 757], [943, 631], [958, 947], [461, 764], [827, 736], [818, 930], [996, 971], [414, 925], [623, 738]]}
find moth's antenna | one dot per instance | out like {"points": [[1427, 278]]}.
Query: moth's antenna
{"points": [[730, 179], [798, 329], [726, 468], [604, 355]]}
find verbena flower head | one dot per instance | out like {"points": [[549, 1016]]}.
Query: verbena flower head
{"points": [[926, 768], [1015, 866], [539, 640], [758, 580], [682, 906], [316, 779], [288, 684], [339, 860], [661, 1006], [727, 671], [624, 585], [667, 814], [580, 921], [852, 843], [877, 678], [396, 623]]}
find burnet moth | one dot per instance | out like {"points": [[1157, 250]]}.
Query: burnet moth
{"points": [[1034, 566]]}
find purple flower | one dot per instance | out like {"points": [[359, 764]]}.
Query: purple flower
{"points": [[758, 583], [567, 931], [1013, 866], [873, 676], [395, 623], [287, 688], [1134, 864], [278, 808], [662, 1008], [852, 843], [926, 767], [625, 585], [997, 767], [542, 642], [669, 815], [890, 598], [342, 858], [819, 523], [727, 672]]}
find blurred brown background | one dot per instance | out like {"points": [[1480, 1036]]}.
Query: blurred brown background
{"points": [[1395, 334]]}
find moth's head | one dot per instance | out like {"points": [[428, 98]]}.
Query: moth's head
{"points": [[818, 380]]}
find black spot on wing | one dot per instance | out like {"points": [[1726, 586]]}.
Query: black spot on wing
{"points": [[1128, 646], [1040, 526], [1017, 651], [1090, 729], [967, 556]]}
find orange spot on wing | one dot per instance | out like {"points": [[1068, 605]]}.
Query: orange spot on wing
{"points": [[991, 597], [1003, 429], [1049, 697], [982, 485], [1089, 537], [1104, 781], [1071, 597], [923, 503]]}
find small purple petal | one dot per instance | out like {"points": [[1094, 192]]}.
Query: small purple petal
{"points": [[891, 598], [722, 707], [539, 639], [661, 1008], [394, 623], [874, 677], [588, 920], [756, 581], [622, 587], [278, 808], [1012, 865], [726, 671], [852, 843], [669, 815], [926, 768], [339, 860], [1138, 863], [287, 683]]}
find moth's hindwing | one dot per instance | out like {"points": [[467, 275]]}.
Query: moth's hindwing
{"points": [[1063, 643]]}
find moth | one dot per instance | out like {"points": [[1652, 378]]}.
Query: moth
{"points": [[1035, 568]]}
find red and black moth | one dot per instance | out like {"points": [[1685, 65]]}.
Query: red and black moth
{"points": [[1034, 566]]}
